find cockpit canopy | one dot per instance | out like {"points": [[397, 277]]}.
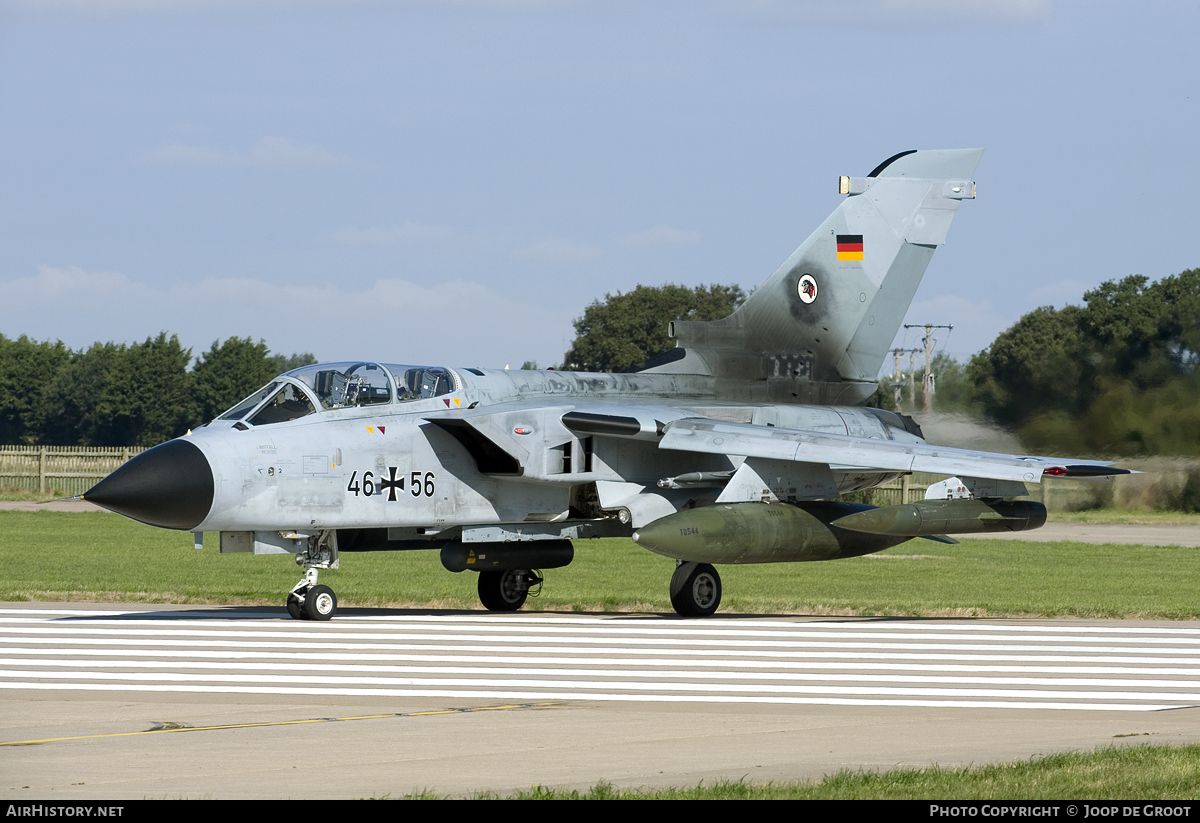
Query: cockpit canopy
{"points": [[340, 386]]}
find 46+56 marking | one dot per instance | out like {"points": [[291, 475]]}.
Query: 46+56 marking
{"points": [[419, 484]]}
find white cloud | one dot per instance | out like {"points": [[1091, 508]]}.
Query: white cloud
{"points": [[455, 323], [386, 235], [557, 249], [178, 154], [889, 14], [921, 9], [660, 235], [1011, 10], [107, 7], [71, 283], [267, 153]]}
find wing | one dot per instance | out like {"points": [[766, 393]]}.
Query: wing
{"points": [[491, 432], [841, 451]]}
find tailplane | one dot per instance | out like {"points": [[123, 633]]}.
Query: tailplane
{"points": [[818, 329]]}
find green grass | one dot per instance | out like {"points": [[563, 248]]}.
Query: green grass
{"points": [[1125, 772], [1131, 517], [23, 495], [103, 557]]}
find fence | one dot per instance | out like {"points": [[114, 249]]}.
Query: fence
{"points": [[1057, 495], [63, 470], [907, 489], [71, 470]]}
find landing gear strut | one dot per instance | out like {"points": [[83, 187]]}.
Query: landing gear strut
{"points": [[506, 591], [307, 600], [695, 589]]}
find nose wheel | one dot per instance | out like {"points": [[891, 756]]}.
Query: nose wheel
{"points": [[309, 601], [320, 603]]}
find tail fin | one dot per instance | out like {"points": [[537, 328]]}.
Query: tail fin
{"points": [[818, 329]]}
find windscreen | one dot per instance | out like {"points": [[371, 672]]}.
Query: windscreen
{"points": [[242, 409], [289, 403]]}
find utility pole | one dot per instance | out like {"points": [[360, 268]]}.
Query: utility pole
{"points": [[927, 385], [912, 373], [896, 375]]}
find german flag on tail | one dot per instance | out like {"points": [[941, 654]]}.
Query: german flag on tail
{"points": [[849, 247]]}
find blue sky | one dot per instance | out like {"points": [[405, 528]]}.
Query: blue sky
{"points": [[454, 182]]}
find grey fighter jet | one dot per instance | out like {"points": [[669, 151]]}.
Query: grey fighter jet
{"points": [[733, 447]]}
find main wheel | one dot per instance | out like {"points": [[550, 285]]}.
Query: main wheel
{"points": [[502, 591], [295, 607], [695, 590], [320, 603]]}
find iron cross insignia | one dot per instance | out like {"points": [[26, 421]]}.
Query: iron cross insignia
{"points": [[392, 483]]}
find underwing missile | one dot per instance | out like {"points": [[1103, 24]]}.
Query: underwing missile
{"points": [[947, 517], [761, 533]]}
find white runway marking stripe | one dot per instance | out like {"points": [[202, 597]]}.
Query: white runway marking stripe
{"points": [[926, 663], [600, 696], [621, 685], [564, 672], [701, 643], [680, 631], [308, 647], [783, 665], [664, 623]]}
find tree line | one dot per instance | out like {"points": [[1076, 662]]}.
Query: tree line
{"points": [[1116, 376], [113, 394]]}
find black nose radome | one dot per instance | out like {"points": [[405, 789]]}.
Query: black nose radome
{"points": [[169, 486]]}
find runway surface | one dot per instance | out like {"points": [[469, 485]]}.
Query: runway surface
{"points": [[512, 657], [79, 685]]}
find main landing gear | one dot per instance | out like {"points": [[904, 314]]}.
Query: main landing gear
{"points": [[509, 572], [506, 591], [307, 600], [695, 589]]}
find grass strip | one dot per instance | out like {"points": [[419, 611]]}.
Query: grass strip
{"points": [[99, 557], [1112, 773], [1127, 517]]}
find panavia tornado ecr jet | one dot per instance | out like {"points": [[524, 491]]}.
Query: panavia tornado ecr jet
{"points": [[733, 447]]}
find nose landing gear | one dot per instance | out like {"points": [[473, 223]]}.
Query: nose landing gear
{"points": [[307, 600]]}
